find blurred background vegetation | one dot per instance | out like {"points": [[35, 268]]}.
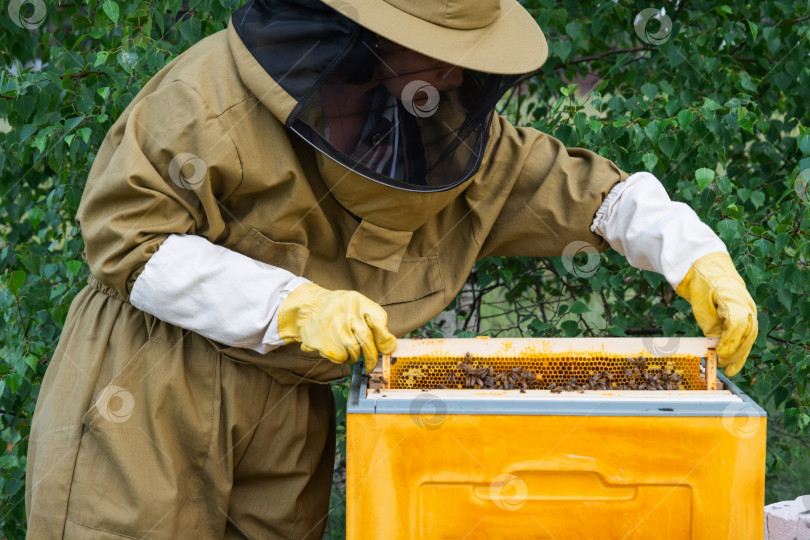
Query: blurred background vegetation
{"points": [[710, 97]]}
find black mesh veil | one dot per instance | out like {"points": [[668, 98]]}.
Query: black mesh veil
{"points": [[367, 103]]}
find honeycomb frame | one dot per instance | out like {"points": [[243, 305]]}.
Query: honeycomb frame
{"points": [[554, 363]]}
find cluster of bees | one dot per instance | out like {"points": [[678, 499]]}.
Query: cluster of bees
{"points": [[637, 376], [470, 376], [598, 381]]}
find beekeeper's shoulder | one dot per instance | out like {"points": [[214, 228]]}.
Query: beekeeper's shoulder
{"points": [[207, 69]]}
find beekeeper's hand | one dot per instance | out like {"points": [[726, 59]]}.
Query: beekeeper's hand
{"points": [[723, 308], [338, 324]]}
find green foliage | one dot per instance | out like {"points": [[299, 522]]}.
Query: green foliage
{"points": [[717, 111]]}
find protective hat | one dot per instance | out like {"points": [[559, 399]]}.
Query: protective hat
{"points": [[493, 36], [423, 129]]}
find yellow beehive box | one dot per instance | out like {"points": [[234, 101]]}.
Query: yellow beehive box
{"points": [[529, 462]]}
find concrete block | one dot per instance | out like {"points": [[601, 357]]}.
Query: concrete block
{"points": [[788, 520]]}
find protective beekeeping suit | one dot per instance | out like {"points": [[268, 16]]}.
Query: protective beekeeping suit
{"points": [[285, 195]]}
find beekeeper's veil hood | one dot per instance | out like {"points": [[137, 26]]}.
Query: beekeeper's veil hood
{"points": [[416, 131]]}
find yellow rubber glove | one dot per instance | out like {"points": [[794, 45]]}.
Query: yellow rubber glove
{"points": [[338, 324], [723, 308]]}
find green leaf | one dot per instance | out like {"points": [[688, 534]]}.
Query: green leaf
{"points": [[573, 29], [804, 144], [73, 267], [755, 275], [734, 210], [111, 10], [650, 161], [685, 118], [757, 199], [652, 131], [580, 307], [724, 184], [667, 145], [71, 123], [101, 57], [650, 90], [84, 133], [704, 177], [31, 361], [676, 56], [27, 131], [569, 328], [747, 82], [710, 105], [562, 48], [745, 119], [17, 280], [754, 29]]}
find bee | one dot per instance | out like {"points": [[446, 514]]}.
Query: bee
{"points": [[393, 361]]}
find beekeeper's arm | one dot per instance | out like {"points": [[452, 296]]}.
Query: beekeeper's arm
{"points": [[640, 221], [151, 217], [566, 198]]}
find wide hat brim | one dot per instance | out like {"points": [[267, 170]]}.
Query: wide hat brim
{"points": [[511, 44]]}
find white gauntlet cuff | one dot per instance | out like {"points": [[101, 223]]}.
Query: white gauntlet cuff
{"points": [[639, 220], [214, 291]]}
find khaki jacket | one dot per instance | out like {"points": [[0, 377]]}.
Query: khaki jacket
{"points": [[263, 196]]}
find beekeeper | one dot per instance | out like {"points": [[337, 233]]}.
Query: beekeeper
{"points": [[286, 195]]}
